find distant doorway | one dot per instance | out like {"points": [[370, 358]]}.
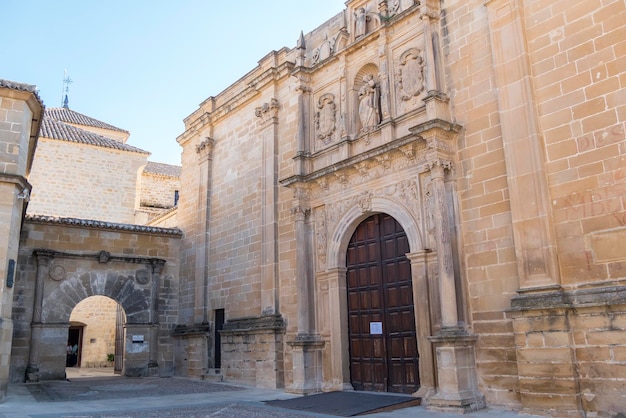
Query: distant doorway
{"points": [[219, 324], [74, 345], [96, 335], [381, 313]]}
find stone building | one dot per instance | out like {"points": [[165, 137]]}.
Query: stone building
{"points": [[83, 168], [20, 117], [93, 279], [423, 197]]}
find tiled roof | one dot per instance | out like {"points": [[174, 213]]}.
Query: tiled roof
{"points": [[161, 169], [69, 116], [53, 129], [14, 85], [103, 225]]}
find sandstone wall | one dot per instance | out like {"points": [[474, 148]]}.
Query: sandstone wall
{"points": [[98, 314], [158, 191], [63, 262], [85, 181], [570, 81], [20, 115]]}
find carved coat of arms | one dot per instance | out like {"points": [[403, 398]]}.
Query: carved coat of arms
{"points": [[325, 118], [410, 74]]}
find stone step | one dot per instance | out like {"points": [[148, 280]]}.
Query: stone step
{"points": [[214, 375]]}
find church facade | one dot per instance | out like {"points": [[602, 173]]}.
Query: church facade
{"points": [[420, 197]]}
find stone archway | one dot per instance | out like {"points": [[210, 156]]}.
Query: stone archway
{"points": [[422, 275], [94, 333], [65, 279]]}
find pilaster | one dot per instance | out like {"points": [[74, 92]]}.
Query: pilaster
{"points": [[267, 115], [535, 243], [204, 150], [43, 259]]}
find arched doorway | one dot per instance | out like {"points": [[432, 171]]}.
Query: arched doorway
{"points": [[381, 312], [96, 330]]}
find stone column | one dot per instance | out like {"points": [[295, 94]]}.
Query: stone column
{"points": [[422, 295], [303, 283], [307, 355], [445, 260], [268, 132], [43, 259], [456, 365], [153, 364], [340, 348], [201, 283]]}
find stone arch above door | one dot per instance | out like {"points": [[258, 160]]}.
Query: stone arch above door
{"points": [[350, 220], [124, 289]]}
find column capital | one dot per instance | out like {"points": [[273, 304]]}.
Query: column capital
{"points": [[43, 257], [205, 148], [267, 111], [438, 167], [301, 212]]}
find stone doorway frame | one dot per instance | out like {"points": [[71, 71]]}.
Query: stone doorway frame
{"points": [[423, 264], [132, 282]]}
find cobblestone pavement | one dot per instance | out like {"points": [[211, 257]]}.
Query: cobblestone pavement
{"points": [[104, 396]]}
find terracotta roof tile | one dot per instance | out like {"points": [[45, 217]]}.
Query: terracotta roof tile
{"points": [[14, 85], [103, 225], [53, 129], [70, 116], [161, 169]]}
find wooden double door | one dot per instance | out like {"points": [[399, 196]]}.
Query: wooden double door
{"points": [[382, 333]]}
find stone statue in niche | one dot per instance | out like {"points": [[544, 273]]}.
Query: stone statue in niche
{"points": [[410, 74], [360, 22], [325, 119], [369, 104]]}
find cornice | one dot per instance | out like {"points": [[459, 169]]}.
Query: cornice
{"points": [[89, 223]]}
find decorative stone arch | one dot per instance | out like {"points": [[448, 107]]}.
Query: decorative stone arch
{"points": [[422, 262], [134, 298], [64, 279], [339, 239]]}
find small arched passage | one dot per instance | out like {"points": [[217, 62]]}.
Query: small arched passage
{"points": [[63, 282], [94, 334]]}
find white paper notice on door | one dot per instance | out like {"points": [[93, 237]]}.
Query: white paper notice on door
{"points": [[376, 328]]}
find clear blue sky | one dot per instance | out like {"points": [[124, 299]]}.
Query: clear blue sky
{"points": [[145, 65]]}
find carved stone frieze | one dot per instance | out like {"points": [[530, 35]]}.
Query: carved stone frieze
{"points": [[405, 192], [363, 168], [370, 169], [325, 120], [321, 237], [365, 201], [429, 212]]}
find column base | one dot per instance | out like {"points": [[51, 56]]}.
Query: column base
{"points": [[307, 364], [32, 374], [456, 366]]}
